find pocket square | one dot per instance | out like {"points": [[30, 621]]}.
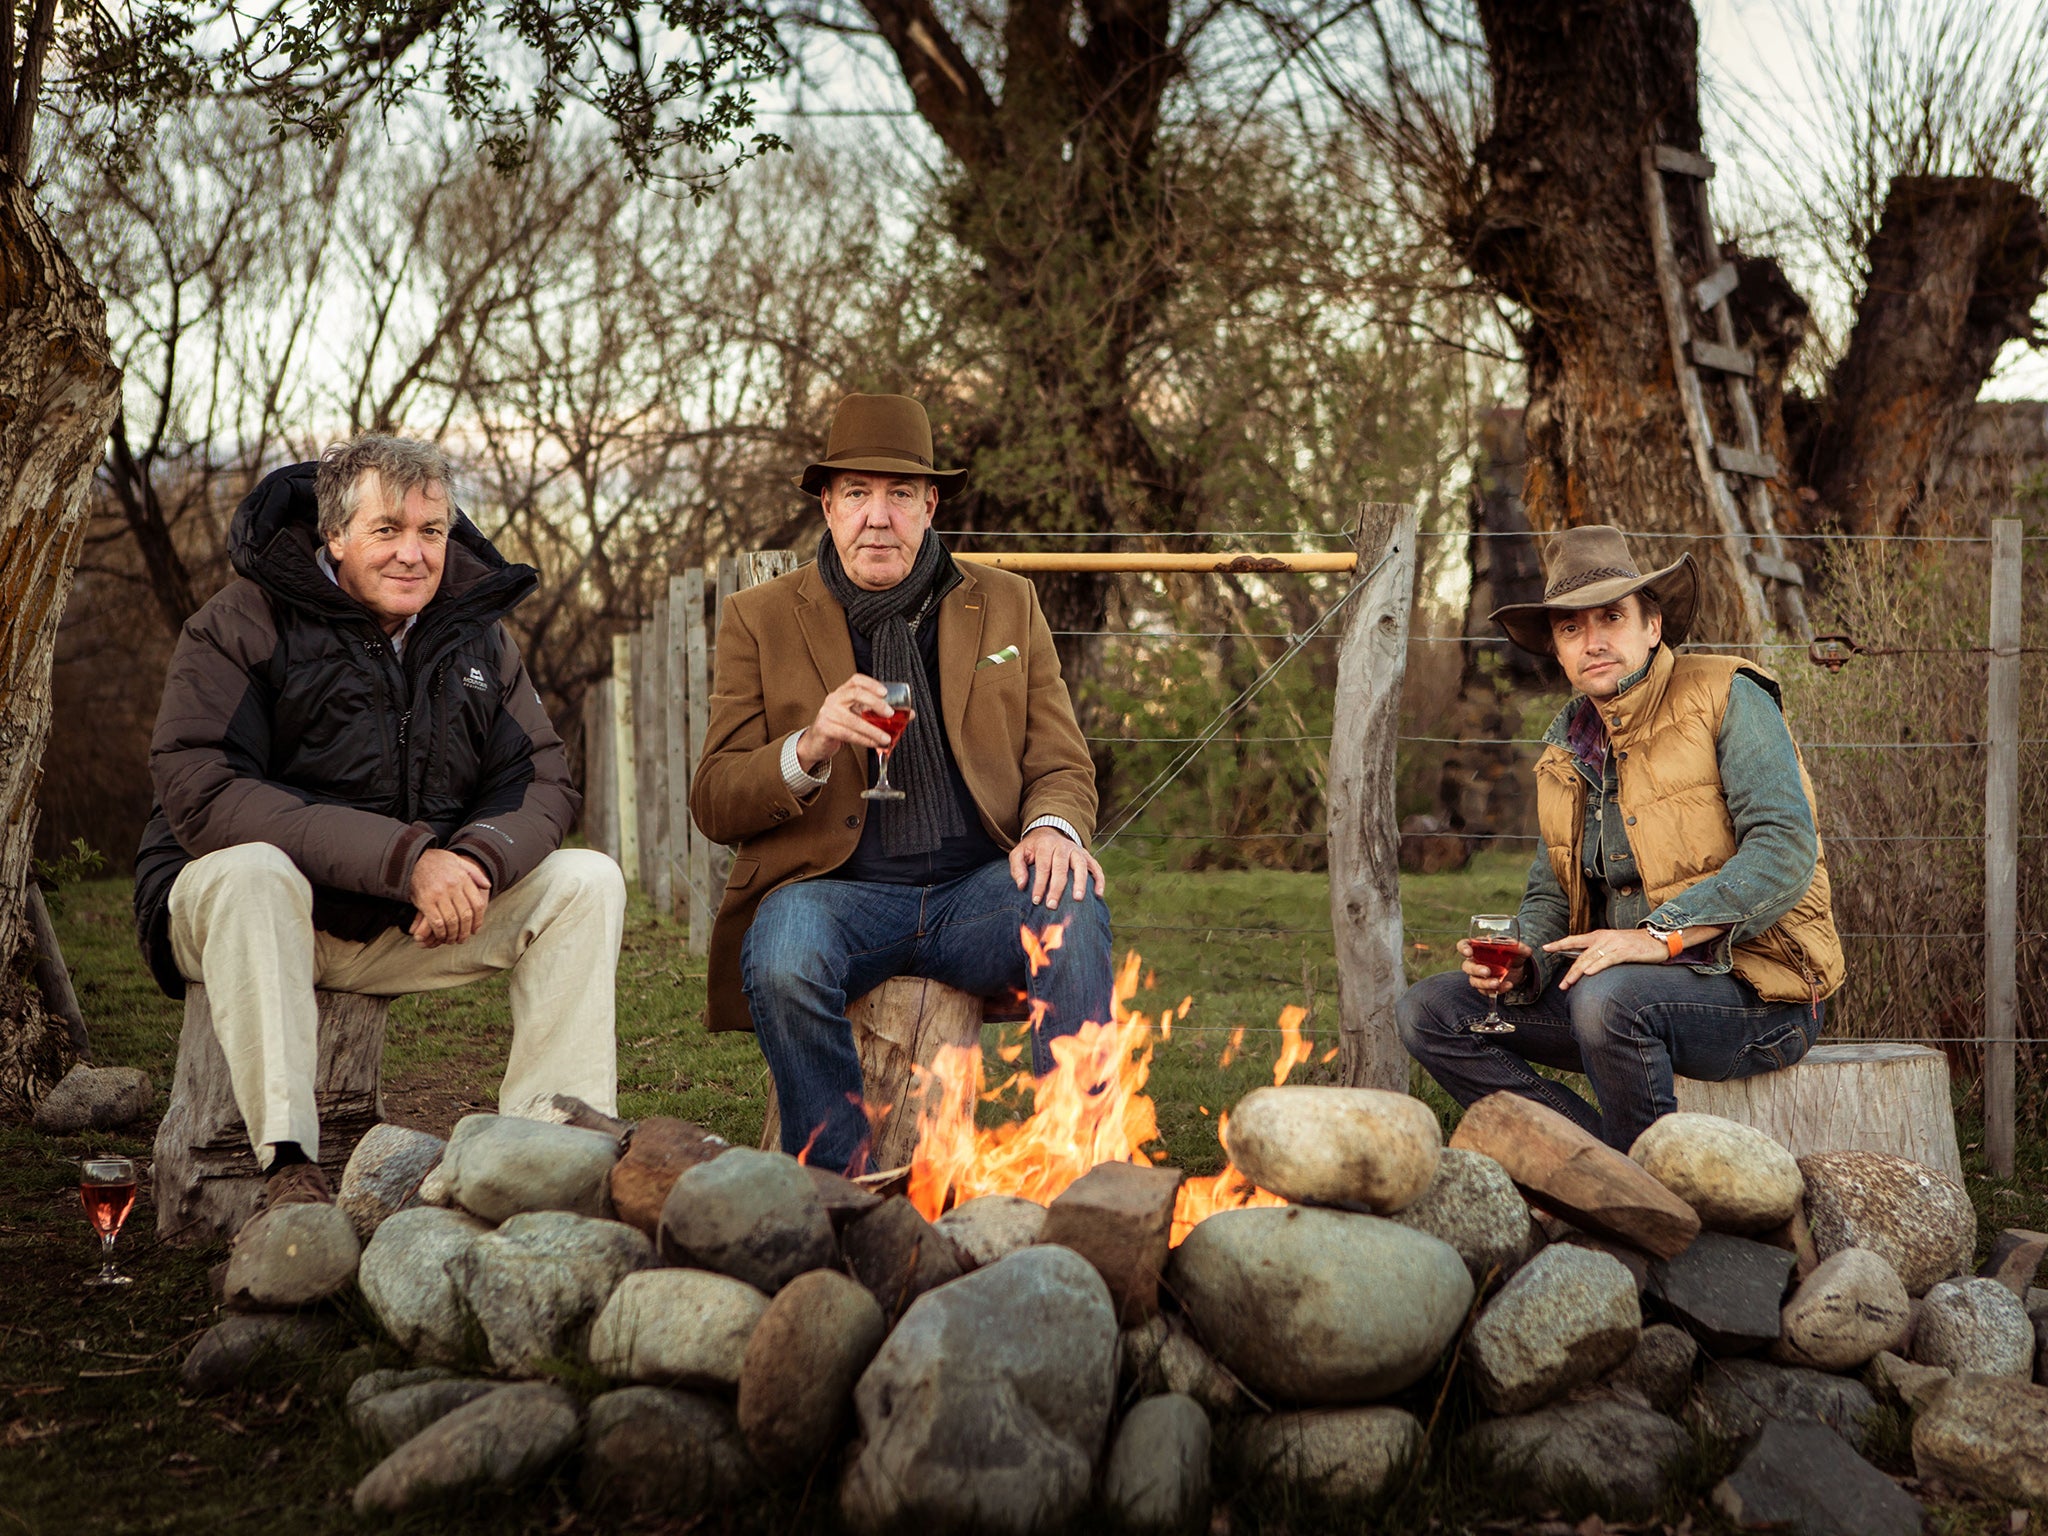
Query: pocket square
{"points": [[997, 658]]}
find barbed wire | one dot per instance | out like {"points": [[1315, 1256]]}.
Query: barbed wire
{"points": [[1110, 533], [1436, 932], [1533, 741]]}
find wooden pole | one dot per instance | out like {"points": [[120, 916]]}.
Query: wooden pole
{"points": [[600, 779], [624, 779], [1219, 562], [2001, 845], [675, 671], [1365, 834], [650, 740], [697, 644]]}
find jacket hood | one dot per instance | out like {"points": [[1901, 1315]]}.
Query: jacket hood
{"points": [[274, 540]]}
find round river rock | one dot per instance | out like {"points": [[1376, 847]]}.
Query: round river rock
{"points": [[1734, 1176], [1361, 1148]]}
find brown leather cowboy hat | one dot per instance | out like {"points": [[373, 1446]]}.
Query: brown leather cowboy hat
{"points": [[880, 435], [1591, 567]]}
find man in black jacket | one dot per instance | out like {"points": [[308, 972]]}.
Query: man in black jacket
{"points": [[358, 789]]}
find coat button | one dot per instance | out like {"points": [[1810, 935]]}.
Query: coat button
{"points": [[1623, 756], [853, 821], [1624, 890], [1631, 821], [781, 813]]}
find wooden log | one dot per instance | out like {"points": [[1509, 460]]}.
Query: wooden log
{"points": [[1365, 833], [2001, 845], [1849, 1096], [206, 1180], [902, 1023]]}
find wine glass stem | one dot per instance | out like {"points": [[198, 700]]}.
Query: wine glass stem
{"points": [[107, 1252], [882, 778]]}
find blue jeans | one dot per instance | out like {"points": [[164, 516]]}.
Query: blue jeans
{"points": [[816, 943], [1628, 1028]]}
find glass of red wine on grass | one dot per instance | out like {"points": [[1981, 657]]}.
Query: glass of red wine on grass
{"points": [[1495, 942], [891, 719], [107, 1186]]}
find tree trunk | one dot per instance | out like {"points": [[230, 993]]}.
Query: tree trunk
{"points": [[1557, 227], [58, 392], [1955, 269]]}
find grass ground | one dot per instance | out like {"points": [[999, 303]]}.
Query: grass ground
{"points": [[95, 1436]]}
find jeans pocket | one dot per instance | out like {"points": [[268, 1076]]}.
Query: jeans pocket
{"points": [[1776, 1048]]}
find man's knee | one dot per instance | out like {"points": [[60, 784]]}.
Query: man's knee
{"points": [[1606, 1009], [1428, 1011], [586, 880], [255, 877], [790, 949]]}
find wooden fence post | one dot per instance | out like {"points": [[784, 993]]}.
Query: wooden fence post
{"points": [[624, 779], [703, 895], [1365, 837], [600, 779], [675, 672], [2001, 845]]}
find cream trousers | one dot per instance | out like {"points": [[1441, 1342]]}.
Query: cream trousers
{"points": [[242, 925]]}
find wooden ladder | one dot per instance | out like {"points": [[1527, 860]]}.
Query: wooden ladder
{"points": [[1749, 531]]}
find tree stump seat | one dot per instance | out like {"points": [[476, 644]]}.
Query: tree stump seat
{"points": [[205, 1180], [1846, 1096], [902, 1024]]}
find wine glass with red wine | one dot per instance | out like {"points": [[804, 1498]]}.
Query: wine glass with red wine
{"points": [[1495, 942], [107, 1186], [892, 718]]}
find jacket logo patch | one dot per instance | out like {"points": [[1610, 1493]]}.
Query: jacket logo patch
{"points": [[475, 679]]}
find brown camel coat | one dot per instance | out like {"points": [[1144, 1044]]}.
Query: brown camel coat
{"points": [[782, 646]]}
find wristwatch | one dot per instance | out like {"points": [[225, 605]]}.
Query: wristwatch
{"points": [[1673, 940]]}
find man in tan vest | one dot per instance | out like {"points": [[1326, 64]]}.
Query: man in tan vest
{"points": [[832, 893], [1676, 918]]}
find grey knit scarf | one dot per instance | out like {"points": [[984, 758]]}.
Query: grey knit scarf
{"points": [[927, 814]]}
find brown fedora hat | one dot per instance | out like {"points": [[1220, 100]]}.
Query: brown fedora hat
{"points": [[880, 435], [1591, 567]]}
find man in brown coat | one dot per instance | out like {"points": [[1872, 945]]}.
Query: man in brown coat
{"points": [[831, 892]]}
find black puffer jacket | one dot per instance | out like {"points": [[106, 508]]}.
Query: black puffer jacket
{"points": [[287, 718]]}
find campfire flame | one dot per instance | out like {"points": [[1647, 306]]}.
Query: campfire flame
{"points": [[1091, 1108]]}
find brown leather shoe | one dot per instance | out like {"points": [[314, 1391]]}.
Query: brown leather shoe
{"points": [[300, 1184]]}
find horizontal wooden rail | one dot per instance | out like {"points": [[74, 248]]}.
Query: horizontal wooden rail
{"points": [[1140, 560]]}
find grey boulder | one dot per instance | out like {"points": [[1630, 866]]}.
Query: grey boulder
{"points": [[384, 1174], [1727, 1292], [987, 1407], [1736, 1398], [988, 1227], [652, 1451], [1659, 1369], [797, 1376], [502, 1440], [1975, 1325], [1737, 1178], [1474, 1206], [676, 1328], [1359, 1148], [534, 1285], [1618, 1454], [1988, 1434], [1568, 1317], [375, 1383], [1848, 1311], [388, 1419], [1339, 1454], [1805, 1478], [500, 1166], [1157, 1476], [291, 1256], [1917, 1220], [1318, 1306], [94, 1099], [756, 1216], [404, 1277], [255, 1350], [1159, 1356]]}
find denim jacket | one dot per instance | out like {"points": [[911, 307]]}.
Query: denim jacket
{"points": [[1777, 843]]}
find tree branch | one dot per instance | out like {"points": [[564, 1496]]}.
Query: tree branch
{"points": [[949, 90]]}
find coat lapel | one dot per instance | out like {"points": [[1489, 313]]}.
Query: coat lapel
{"points": [[960, 617], [823, 622]]}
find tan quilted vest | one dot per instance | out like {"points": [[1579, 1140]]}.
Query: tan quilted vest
{"points": [[1664, 731]]}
